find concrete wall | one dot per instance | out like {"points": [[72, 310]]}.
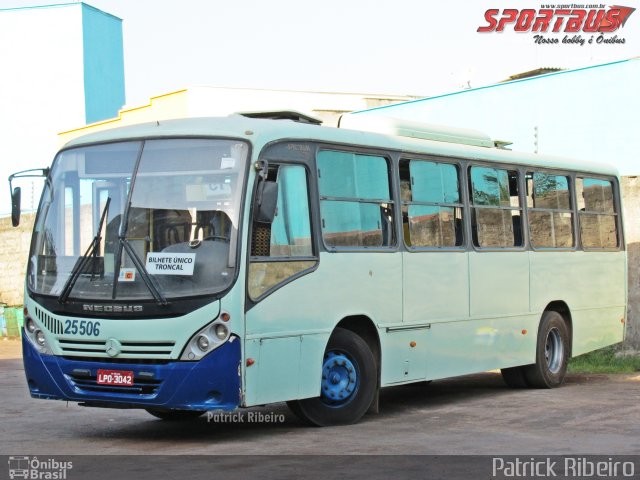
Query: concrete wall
{"points": [[13, 258], [631, 202]]}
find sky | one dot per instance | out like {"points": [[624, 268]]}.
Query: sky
{"points": [[412, 47]]}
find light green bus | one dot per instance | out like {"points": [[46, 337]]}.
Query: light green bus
{"points": [[216, 263]]}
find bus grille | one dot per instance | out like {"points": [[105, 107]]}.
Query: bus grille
{"points": [[134, 361], [52, 324], [129, 349], [139, 387]]}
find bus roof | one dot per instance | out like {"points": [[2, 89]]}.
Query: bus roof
{"points": [[263, 131]]}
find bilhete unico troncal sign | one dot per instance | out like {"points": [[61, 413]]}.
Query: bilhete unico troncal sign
{"points": [[170, 263]]}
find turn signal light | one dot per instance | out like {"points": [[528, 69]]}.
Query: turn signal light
{"points": [[225, 317], [250, 361]]}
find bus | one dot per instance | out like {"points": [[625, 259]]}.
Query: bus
{"points": [[200, 264]]}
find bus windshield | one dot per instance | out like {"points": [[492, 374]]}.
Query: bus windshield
{"points": [[115, 218]]}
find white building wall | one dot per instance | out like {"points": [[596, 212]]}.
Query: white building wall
{"points": [[41, 87], [588, 114]]}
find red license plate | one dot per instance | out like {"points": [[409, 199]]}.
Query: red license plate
{"points": [[115, 377]]}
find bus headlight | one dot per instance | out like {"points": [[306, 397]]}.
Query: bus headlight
{"points": [[31, 325], [40, 338], [203, 343], [222, 332], [34, 334], [207, 339]]}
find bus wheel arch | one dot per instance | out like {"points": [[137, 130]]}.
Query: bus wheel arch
{"points": [[562, 308], [554, 339], [553, 350], [350, 376]]}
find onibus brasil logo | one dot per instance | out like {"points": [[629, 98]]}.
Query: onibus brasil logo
{"points": [[596, 21], [33, 468]]}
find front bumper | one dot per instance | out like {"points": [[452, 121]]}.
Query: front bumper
{"points": [[212, 383]]}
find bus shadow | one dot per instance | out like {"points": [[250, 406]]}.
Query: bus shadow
{"points": [[273, 420], [446, 392]]}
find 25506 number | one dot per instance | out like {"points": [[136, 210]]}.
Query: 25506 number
{"points": [[81, 327]]}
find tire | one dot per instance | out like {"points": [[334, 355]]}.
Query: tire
{"points": [[552, 353], [348, 384], [294, 406], [175, 415], [514, 377]]}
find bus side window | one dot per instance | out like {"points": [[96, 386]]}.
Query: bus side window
{"points": [[431, 204], [283, 249], [597, 213], [549, 210], [355, 200], [497, 213]]}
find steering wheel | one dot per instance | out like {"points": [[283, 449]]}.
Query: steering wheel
{"points": [[216, 237]]}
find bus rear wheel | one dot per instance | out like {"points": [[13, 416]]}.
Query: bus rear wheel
{"points": [[552, 353], [348, 383], [175, 415]]}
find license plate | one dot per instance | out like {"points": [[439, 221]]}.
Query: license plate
{"points": [[115, 377]]}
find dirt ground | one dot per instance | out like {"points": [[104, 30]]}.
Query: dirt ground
{"points": [[474, 414]]}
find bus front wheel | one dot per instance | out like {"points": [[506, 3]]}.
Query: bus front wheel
{"points": [[348, 383], [552, 353]]}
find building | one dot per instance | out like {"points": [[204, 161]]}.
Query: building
{"points": [[588, 113], [207, 101], [63, 66]]}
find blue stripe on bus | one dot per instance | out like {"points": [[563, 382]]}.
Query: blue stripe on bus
{"points": [[212, 383]]}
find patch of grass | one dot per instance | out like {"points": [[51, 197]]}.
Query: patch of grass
{"points": [[606, 360]]}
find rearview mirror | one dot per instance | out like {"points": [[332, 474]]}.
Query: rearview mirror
{"points": [[266, 200], [16, 193], [15, 206]]}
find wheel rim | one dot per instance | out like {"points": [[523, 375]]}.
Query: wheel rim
{"points": [[339, 379], [554, 350]]}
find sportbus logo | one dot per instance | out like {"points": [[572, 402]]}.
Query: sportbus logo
{"points": [[597, 20]]}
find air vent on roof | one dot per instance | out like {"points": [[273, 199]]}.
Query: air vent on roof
{"points": [[408, 128], [283, 115]]}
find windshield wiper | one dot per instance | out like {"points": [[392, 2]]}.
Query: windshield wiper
{"points": [[148, 280], [123, 243], [91, 254]]}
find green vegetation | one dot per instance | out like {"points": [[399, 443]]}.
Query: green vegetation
{"points": [[606, 360]]}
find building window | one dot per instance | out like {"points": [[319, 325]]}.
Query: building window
{"points": [[597, 213], [496, 216], [549, 210], [431, 204], [355, 200]]}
